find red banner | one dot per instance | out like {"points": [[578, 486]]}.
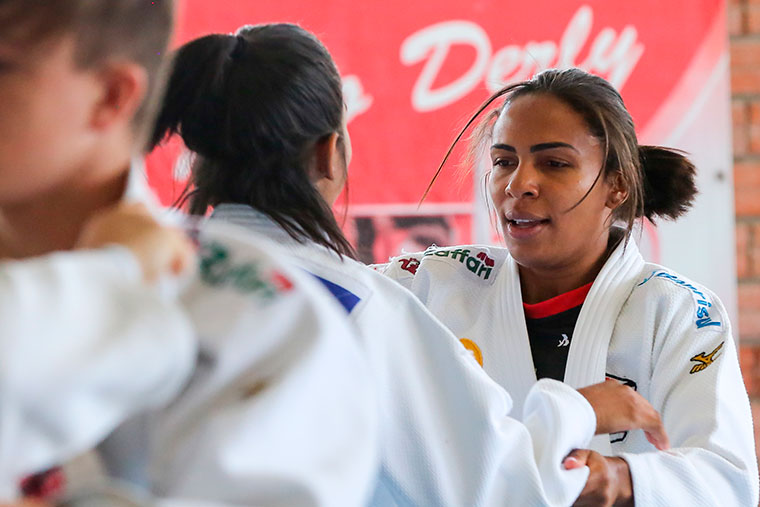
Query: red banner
{"points": [[414, 71]]}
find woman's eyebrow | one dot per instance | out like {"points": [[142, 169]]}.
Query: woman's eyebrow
{"points": [[549, 146]]}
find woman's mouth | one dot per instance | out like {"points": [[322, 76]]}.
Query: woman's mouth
{"points": [[523, 228]]}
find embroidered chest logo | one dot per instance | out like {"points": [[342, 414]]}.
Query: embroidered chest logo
{"points": [[704, 360], [480, 264], [565, 341], [410, 264], [473, 347], [218, 270]]}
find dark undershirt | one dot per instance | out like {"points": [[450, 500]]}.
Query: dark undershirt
{"points": [[550, 331]]}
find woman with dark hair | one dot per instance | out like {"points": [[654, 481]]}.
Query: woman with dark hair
{"points": [[263, 113], [571, 298]]}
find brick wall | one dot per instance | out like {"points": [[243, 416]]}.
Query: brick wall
{"points": [[744, 31]]}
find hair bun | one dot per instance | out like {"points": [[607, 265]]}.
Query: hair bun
{"points": [[669, 182]]}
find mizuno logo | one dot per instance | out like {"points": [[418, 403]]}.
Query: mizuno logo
{"points": [[704, 360]]}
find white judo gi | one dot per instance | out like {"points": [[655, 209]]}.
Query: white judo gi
{"points": [[446, 438], [278, 409], [641, 324], [75, 328]]}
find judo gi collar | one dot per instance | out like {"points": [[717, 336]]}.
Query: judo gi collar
{"points": [[254, 220], [587, 357]]}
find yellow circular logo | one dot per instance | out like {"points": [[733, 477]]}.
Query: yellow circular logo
{"points": [[472, 347]]}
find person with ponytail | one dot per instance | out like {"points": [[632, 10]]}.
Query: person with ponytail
{"points": [[263, 113], [571, 298]]}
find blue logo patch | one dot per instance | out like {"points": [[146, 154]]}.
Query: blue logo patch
{"points": [[703, 318], [345, 297]]}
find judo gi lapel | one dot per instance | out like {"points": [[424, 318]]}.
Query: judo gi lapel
{"points": [[587, 357], [517, 372]]}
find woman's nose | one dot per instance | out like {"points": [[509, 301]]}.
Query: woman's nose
{"points": [[523, 182]]}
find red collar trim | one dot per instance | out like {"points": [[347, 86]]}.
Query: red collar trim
{"points": [[557, 304]]}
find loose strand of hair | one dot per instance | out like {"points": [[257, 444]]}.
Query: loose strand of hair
{"points": [[472, 119]]}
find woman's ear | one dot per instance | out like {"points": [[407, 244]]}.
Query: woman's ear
{"points": [[328, 168], [124, 86], [326, 164], [618, 192]]}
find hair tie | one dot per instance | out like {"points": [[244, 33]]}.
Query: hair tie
{"points": [[239, 48]]}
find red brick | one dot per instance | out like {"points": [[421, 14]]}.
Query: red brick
{"points": [[748, 361], [735, 15], [749, 326], [745, 53], [753, 127], [749, 321], [747, 356], [753, 251], [747, 188], [752, 20], [745, 79], [749, 296], [742, 250], [740, 114]]}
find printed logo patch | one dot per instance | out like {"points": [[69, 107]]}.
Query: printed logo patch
{"points": [[479, 264], [473, 347], [702, 314], [410, 264], [218, 270], [704, 360]]}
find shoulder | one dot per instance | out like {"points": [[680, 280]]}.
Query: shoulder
{"points": [[237, 262], [475, 263], [675, 295]]}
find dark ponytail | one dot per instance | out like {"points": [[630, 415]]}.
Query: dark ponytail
{"points": [[252, 107], [669, 182]]}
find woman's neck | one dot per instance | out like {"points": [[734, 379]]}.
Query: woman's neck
{"points": [[53, 221], [540, 283]]}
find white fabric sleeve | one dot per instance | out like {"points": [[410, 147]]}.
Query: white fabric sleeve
{"points": [[706, 415], [447, 435], [83, 345], [281, 410], [558, 418]]}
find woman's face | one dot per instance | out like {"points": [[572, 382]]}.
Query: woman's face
{"points": [[544, 159]]}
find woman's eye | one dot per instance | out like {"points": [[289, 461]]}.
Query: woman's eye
{"points": [[556, 163], [502, 162]]}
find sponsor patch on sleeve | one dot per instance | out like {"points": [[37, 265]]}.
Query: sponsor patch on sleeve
{"points": [[476, 260], [703, 359], [704, 314], [249, 276]]}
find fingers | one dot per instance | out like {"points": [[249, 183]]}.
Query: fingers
{"points": [[658, 437], [578, 458], [620, 408], [160, 250]]}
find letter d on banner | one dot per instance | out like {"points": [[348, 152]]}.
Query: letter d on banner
{"points": [[435, 41]]}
